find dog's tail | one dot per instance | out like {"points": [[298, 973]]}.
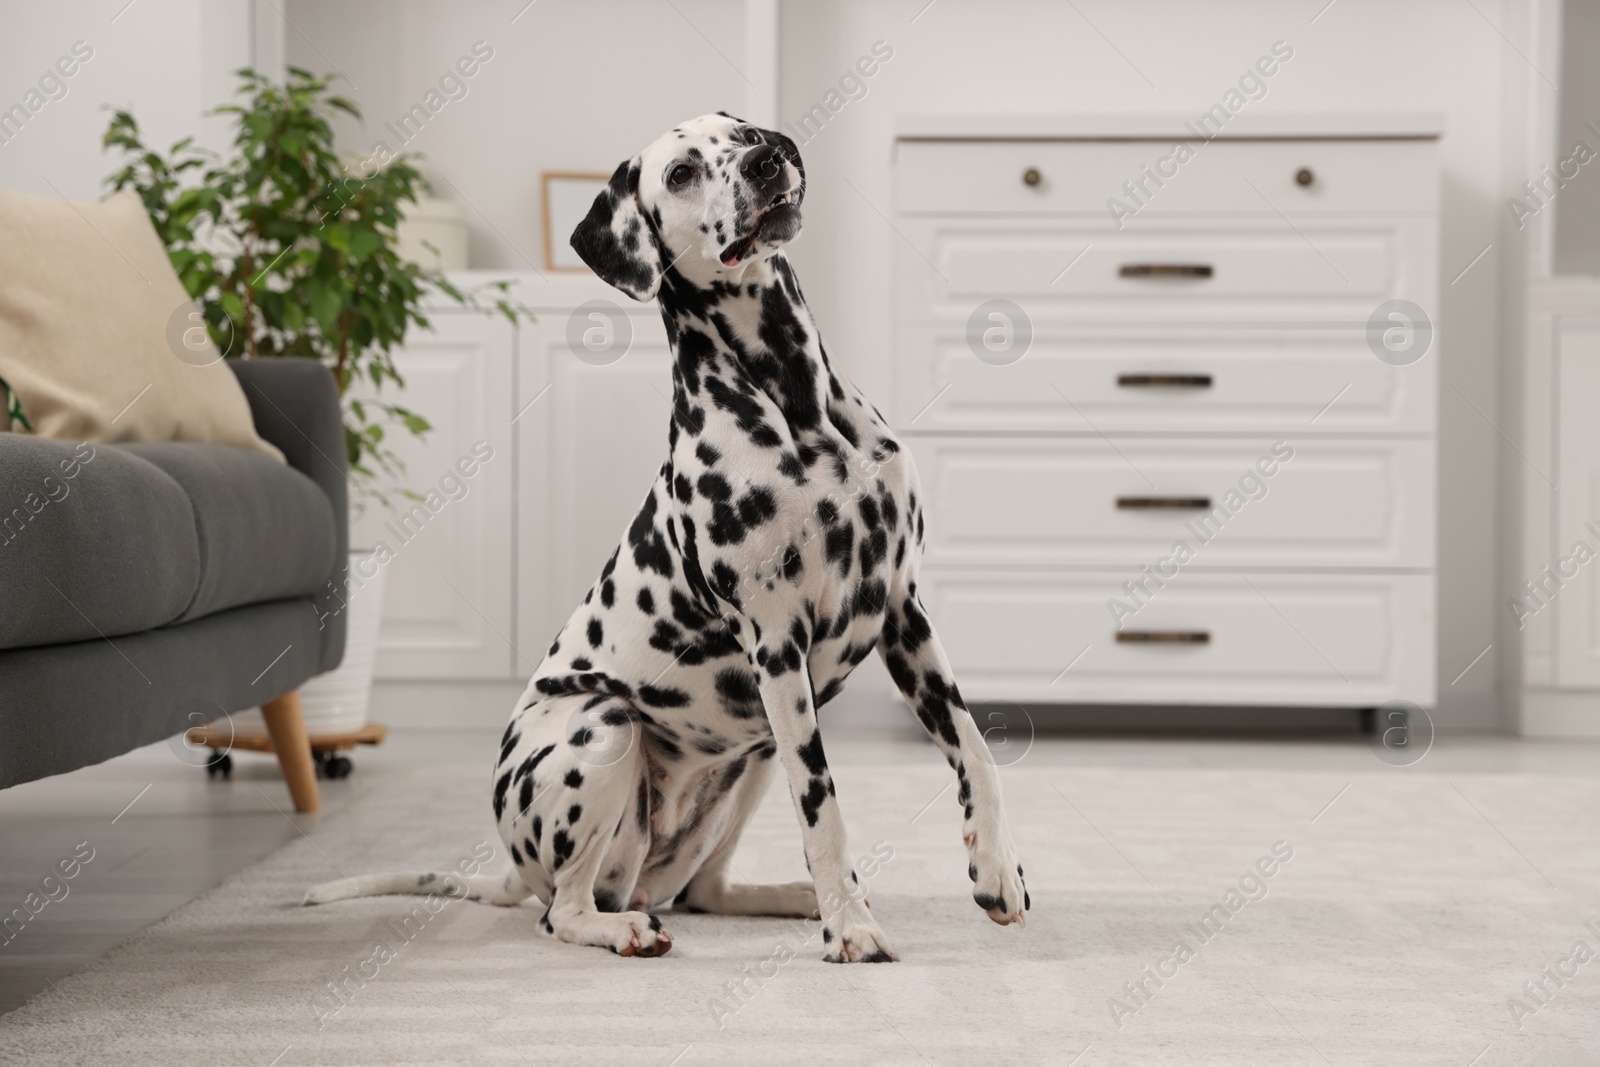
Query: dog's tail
{"points": [[503, 890]]}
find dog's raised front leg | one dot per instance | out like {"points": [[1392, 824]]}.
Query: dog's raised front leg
{"points": [[849, 932], [920, 668]]}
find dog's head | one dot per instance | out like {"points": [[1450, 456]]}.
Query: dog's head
{"points": [[710, 196]]}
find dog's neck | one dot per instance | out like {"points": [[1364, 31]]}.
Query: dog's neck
{"points": [[760, 316]]}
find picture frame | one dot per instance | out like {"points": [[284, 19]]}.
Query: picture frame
{"points": [[565, 198]]}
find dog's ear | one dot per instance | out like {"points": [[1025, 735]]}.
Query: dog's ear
{"points": [[615, 240]]}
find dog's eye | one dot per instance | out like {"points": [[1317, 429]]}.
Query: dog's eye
{"points": [[680, 174], [752, 136]]}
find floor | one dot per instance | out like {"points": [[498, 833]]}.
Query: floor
{"points": [[162, 835]]}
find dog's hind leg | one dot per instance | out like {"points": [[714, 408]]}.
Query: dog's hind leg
{"points": [[711, 891], [574, 812]]}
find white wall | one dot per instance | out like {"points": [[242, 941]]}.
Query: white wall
{"points": [[166, 60], [1030, 55], [572, 86]]}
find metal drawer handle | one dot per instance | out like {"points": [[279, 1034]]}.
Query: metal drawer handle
{"points": [[1166, 270], [1176, 503], [1193, 381], [1163, 637], [1031, 177]]}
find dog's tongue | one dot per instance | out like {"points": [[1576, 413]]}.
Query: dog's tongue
{"points": [[737, 251]]}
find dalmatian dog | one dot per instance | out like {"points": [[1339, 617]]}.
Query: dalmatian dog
{"points": [[778, 547]]}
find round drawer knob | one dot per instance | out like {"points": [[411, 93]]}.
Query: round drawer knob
{"points": [[1303, 176], [1031, 177]]}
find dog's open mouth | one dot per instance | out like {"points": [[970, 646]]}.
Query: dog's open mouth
{"points": [[778, 222]]}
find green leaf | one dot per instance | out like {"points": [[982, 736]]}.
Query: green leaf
{"points": [[337, 235], [340, 294], [326, 304], [364, 241]]}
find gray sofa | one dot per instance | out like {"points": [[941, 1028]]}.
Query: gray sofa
{"points": [[145, 588]]}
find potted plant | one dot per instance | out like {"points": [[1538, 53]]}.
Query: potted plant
{"points": [[289, 255]]}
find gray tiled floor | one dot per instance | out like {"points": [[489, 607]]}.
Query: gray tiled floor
{"points": [[184, 835]]}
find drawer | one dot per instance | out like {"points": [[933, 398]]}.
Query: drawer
{"points": [[1332, 272], [1127, 503], [1082, 177], [1332, 640], [1177, 381]]}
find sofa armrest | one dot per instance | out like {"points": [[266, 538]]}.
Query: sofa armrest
{"points": [[295, 406]]}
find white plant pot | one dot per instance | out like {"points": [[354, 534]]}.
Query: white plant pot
{"points": [[337, 702]]}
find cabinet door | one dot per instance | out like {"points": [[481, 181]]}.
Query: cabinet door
{"points": [[592, 436], [1577, 602], [447, 608]]}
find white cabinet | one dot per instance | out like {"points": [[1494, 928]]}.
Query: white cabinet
{"points": [[447, 609], [1577, 609], [1553, 606], [1162, 360], [1554, 602], [478, 587], [592, 436]]}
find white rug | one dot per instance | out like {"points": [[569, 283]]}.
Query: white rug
{"points": [[1411, 913]]}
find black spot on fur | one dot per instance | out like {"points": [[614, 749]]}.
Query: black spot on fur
{"points": [[561, 847], [508, 742], [740, 697], [811, 754], [663, 696], [811, 802], [500, 788]]}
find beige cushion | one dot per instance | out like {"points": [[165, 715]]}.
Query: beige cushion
{"points": [[88, 301]]}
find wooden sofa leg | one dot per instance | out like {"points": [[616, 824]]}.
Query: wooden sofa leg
{"points": [[289, 741]]}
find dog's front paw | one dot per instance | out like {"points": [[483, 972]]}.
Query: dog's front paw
{"points": [[853, 937], [636, 934], [997, 883]]}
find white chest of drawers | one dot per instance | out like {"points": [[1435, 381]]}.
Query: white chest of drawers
{"points": [[1198, 482]]}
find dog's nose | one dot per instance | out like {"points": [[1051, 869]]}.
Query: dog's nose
{"points": [[763, 167]]}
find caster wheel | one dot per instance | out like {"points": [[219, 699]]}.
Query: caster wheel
{"points": [[337, 767], [220, 763]]}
